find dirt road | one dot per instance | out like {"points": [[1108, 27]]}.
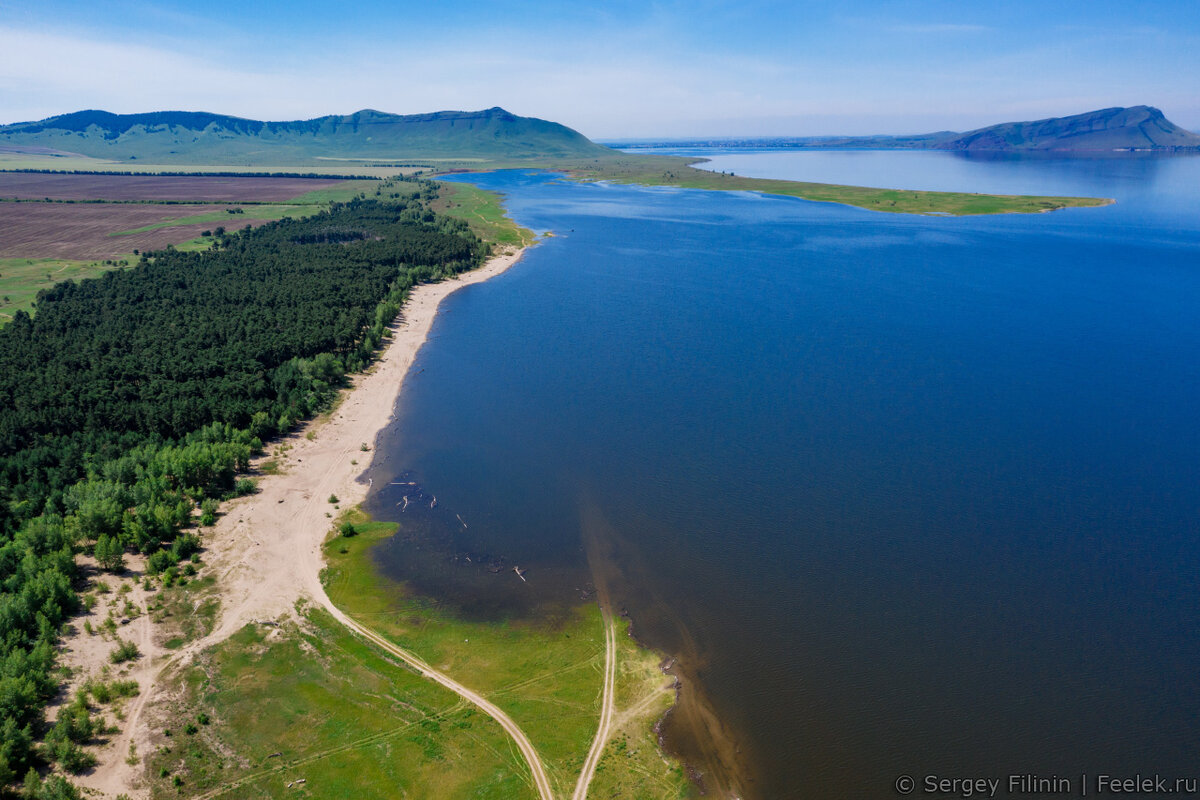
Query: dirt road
{"points": [[607, 706]]}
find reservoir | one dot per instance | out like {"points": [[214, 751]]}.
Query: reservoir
{"points": [[904, 495]]}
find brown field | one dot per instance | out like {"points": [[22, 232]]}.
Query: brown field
{"points": [[75, 231], [198, 188]]}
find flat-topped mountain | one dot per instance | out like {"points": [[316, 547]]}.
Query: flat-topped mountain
{"points": [[1139, 127], [166, 137]]}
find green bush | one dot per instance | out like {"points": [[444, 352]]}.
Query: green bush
{"points": [[126, 651]]}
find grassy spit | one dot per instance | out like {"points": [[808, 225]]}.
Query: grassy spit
{"points": [[649, 170], [483, 212]]}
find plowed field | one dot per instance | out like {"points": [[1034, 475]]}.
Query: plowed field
{"points": [[191, 188], [81, 230]]}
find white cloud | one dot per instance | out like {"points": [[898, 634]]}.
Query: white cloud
{"points": [[48, 73]]}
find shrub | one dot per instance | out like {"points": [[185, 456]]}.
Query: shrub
{"points": [[184, 546], [126, 651], [161, 561]]}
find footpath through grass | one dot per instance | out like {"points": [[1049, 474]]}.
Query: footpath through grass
{"points": [[547, 677]]}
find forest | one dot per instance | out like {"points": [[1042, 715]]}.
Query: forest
{"points": [[129, 403]]}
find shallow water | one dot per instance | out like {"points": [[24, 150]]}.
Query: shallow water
{"points": [[906, 494]]}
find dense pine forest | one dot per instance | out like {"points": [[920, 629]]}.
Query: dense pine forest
{"points": [[129, 403]]}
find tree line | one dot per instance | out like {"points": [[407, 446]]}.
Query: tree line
{"points": [[131, 401]]}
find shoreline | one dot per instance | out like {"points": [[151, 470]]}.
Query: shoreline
{"points": [[265, 549]]}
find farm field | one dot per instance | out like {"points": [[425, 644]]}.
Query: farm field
{"points": [[83, 231], [189, 188], [53, 229]]}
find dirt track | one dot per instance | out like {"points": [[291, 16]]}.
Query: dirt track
{"points": [[607, 706]]}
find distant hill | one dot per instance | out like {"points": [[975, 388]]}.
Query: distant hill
{"points": [[1136, 128], [1139, 127], [167, 137]]}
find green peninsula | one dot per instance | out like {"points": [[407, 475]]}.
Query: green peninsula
{"points": [[676, 171]]}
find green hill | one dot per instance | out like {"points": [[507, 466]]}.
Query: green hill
{"points": [[166, 137]]}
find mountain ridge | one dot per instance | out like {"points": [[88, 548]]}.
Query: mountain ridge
{"points": [[1116, 128], [179, 136]]}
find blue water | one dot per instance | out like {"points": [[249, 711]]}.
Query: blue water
{"points": [[906, 495]]}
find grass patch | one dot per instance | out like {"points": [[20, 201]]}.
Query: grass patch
{"points": [[184, 612], [275, 705], [22, 278], [482, 210]]}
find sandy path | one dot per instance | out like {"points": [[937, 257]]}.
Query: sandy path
{"points": [[266, 549], [607, 702]]}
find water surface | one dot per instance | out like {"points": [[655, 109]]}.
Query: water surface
{"points": [[907, 495]]}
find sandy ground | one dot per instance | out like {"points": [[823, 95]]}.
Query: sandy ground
{"points": [[266, 549]]}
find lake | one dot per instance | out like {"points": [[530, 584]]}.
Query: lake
{"points": [[905, 495]]}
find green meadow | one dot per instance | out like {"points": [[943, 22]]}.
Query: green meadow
{"points": [[22, 278], [276, 705], [483, 212]]}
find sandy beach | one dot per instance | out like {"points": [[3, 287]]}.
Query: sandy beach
{"points": [[265, 549]]}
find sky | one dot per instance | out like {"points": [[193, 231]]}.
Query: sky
{"points": [[611, 69]]}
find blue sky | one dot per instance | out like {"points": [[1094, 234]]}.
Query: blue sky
{"points": [[611, 69]]}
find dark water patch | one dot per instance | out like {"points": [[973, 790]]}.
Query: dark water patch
{"points": [[437, 553]]}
